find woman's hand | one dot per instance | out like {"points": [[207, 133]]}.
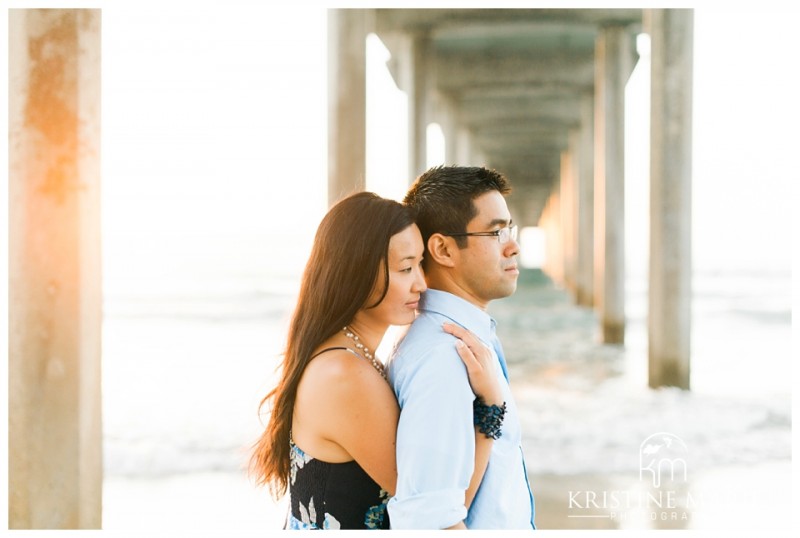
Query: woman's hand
{"points": [[481, 365]]}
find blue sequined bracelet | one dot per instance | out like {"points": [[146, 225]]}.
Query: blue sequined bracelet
{"points": [[488, 418]]}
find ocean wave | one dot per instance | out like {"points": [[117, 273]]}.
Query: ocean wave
{"points": [[180, 394], [573, 432]]}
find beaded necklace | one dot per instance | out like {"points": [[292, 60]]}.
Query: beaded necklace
{"points": [[361, 347]]}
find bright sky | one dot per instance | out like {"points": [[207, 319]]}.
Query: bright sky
{"points": [[214, 138]]}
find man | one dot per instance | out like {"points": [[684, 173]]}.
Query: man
{"points": [[470, 259]]}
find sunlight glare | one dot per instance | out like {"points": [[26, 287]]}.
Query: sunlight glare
{"points": [[387, 126], [436, 145], [532, 242]]}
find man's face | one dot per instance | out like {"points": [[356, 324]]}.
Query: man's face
{"points": [[487, 269]]}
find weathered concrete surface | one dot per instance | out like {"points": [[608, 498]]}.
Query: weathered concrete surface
{"points": [[609, 188], [54, 422], [347, 98], [671, 33]]}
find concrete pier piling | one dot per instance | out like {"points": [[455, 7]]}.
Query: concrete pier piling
{"points": [[55, 467], [671, 33], [347, 98], [612, 71]]}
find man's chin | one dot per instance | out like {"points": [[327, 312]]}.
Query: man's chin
{"points": [[507, 290]]}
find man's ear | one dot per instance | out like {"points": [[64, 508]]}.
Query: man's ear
{"points": [[442, 249]]}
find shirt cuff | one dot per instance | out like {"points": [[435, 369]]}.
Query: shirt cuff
{"points": [[432, 510]]}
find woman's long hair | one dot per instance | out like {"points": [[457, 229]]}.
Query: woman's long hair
{"points": [[341, 273]]}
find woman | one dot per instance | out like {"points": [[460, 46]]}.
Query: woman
{"points": [[333, 399]]}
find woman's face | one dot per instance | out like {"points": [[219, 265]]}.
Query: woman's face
{"points": [[406, 280]]}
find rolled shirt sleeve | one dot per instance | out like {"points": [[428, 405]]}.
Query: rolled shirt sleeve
{"points": [[435, 436]]}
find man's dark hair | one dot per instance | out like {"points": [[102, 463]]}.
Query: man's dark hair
{"points": [[441, 199]]}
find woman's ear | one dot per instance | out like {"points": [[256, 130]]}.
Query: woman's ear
{"points": [[441, 249]]}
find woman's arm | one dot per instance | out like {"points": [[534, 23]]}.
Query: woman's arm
{"points": [[483, 380], [483, 449]]}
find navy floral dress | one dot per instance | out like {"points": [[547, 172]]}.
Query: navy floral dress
{"points": [[326, 495]]}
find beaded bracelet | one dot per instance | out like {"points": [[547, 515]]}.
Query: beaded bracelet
{"points": [[488, 418]]}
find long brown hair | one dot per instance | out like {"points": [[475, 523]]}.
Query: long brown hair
{"points": [[351, 241]]}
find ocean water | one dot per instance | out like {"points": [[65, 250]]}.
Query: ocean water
{"points": [[588, 402], [183, 375]]}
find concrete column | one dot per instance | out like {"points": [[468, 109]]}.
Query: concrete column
{"points": [[477, 156], [418, 105], [464, 147], [567, 198], [574, 163], [671, 33], [55, 468], [347, 97], [551, 222], [612, 68], [450, 143], [585, 199], [544, 225], [447, 118]]}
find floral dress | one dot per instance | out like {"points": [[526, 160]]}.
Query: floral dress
{"points": [[326, 495]]}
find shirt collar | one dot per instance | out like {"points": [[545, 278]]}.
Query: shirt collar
{"points": [[460, 311]]}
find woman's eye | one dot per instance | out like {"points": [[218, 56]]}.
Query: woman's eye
{"points": [[406, 270]]}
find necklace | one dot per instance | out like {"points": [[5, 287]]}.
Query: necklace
{"points": [[361, 347]]}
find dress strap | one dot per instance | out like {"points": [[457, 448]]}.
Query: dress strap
{"points": [[334, 348]]}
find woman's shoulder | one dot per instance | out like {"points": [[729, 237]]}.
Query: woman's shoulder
{"points": [[338, 366], [338, 383]]}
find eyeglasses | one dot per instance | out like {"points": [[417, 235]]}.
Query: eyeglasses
{"points": [[503, 235]]}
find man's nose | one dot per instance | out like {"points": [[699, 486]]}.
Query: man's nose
{"points": [[511, 248]]}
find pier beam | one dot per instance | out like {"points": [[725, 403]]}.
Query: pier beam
{"points": [[612, 68], [418, 104], [550, 222], [585, 200], [568, 217], [347, 97], [447, 117], [671, 33], [467, 154], [55, 464]]}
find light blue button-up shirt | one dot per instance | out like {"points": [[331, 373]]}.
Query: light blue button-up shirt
{"points": [[436, 435]]}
